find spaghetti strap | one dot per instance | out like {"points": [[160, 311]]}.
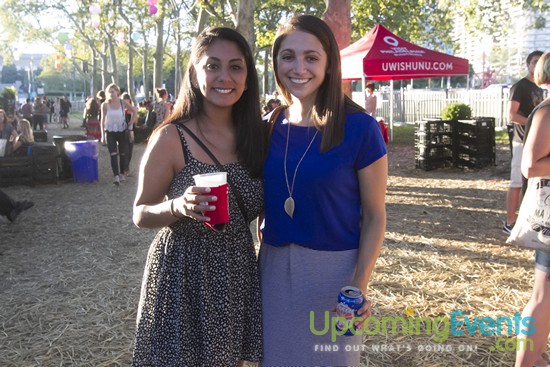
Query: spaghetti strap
{"points": [[183, 142]]}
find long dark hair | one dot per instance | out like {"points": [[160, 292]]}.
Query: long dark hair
{"points": [[250, 131], [331, 105]]}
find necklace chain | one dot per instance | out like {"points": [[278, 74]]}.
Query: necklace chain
{"points": [[290, 187]]}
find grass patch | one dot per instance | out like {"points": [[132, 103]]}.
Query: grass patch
{"points": [[403, 135], [501, 137]]}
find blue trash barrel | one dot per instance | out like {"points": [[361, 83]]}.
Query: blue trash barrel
{"points": [[83, 156]]}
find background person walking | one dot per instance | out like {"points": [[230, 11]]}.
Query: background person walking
{"points": [[524, 96], [114, 130], [128, 118], [64, 110], [162, 107]]}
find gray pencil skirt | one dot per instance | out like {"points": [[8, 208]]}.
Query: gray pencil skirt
{"points": [[300, 290]]}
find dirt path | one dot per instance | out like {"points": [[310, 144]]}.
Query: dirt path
{"points": [[71, 267]]}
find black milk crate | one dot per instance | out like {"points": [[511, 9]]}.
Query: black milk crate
{"points": [[45, 171], [428, 164], [16, 171], [41, 136], [476, 150], [426, 152], [44, 150], [466, 160], [434, 126], [45, 167], [477, 125], [441, 139], [479, 139]]}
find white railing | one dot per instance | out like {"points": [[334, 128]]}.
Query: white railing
{"points": [[416, 104]]}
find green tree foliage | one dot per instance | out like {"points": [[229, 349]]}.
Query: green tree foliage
{"points": [[494, 16], [425, 22], [270, 13], [9, 74]]}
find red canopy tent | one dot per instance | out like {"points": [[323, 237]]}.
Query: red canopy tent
{"points": [[381, 55]]}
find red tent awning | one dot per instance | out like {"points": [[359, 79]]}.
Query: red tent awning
{"points": [[381, 55]]}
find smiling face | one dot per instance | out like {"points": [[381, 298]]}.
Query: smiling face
{"points": [[221, 74], [301, 65]]}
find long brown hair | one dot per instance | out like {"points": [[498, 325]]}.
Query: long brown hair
{"points": [[250, 131], [331, 105]]}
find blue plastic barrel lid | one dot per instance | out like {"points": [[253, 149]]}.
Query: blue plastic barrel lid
{"points": [[84, 148]]}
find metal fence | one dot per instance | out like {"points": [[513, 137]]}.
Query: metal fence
{"points": [[416, 104]]}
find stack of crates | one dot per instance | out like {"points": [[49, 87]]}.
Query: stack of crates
{"points": [[45, 170], [475, 143], [41, 136], [433, 144], [16, 171]]}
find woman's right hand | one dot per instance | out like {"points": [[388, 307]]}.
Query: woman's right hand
{"points": [[193, 203]]}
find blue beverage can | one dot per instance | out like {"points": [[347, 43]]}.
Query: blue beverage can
{"points": [[350, 300]]}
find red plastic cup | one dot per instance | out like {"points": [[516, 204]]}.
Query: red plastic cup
{"points": [[217, 182]]}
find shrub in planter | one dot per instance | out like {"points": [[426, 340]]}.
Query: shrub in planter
{"points": [[456, 111]]}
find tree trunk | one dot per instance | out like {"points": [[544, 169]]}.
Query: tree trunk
{"points": [[144, 71], [337, 16], [201, 21], [245, 21], [130, 71], [112, 59], [177, 61], [159, 53], [104, 64]]}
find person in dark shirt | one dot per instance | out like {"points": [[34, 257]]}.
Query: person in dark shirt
{"points": [[524, 96], [64, 110]]}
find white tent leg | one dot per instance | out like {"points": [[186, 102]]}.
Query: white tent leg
{"points": [[391, 110], [363, 88]]}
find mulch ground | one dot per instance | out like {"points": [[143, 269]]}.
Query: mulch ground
{"points": [[71, 267]]}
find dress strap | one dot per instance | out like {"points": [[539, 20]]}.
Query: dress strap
{"points": [[184, 147]]}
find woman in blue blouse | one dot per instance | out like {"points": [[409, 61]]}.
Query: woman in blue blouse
{"points": [[325, 217]]}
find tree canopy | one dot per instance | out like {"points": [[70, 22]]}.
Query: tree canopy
{"points": [[135, 43]]}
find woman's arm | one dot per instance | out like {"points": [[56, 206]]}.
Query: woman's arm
{"points": [[535, 161], [17, 143], [372, 185], [162, 160]]}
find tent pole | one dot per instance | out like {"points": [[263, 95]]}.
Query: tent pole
{"points": [[363, 88], [391, 110]]}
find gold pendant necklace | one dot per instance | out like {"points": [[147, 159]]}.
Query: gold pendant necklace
{"points": [[289, 202]]}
